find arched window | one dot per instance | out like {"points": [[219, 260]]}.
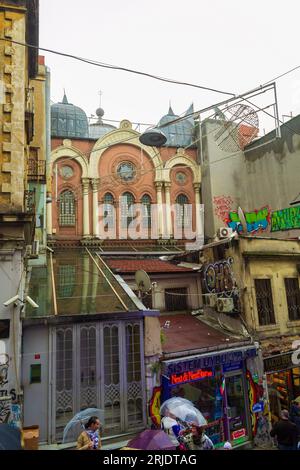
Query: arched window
{"points": [[108, 210], [146, 211], [182, 211], [127, 212], [67, 208]]}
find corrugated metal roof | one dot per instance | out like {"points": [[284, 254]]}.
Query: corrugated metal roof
{"points": [[148, 265]]}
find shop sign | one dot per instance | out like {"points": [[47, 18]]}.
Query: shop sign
{"points": [[208, 362], [190, 376], [238, 434], [279, 362], [258, 407], [232, 366]]}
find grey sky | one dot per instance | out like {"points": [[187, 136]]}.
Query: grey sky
{"points": [[231, 45]]}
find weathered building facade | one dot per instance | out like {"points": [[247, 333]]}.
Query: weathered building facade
{"points": [[18, 24]]}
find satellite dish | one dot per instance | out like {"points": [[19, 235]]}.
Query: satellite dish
{"points": [[142, 281], [242, 219], [237, 128]]}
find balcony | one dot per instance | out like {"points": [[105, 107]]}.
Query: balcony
{"points": [[36, 170]]}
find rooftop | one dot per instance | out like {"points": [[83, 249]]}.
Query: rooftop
{"points": [[84, 285], [185, 333], [148, 265]]}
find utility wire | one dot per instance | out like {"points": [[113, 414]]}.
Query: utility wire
{"points": [[116, 67]]}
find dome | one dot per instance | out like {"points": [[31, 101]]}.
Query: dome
{"points": [[179, 134], [99, 129], [68, 120]]}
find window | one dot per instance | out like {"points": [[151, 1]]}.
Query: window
{"points": [[293, 297], [146, 212], [127, 209], [4, 329], [176, 299], [67, 209], [182, 211], [264, 301], [126, 171], [66, 280], [109, 211]]}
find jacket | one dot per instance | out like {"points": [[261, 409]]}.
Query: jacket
{"points": [[84, 440], [285, 432]]}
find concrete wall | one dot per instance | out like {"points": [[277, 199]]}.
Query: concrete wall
{"points": [[266, 259], [36, 396], [261, 179]]}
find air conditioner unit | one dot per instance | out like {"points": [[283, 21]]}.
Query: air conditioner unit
{"points": [[225, 232], [225, 304], [210, 300]]}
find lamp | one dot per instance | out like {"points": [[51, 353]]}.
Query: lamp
{"points": [[153, 137]]}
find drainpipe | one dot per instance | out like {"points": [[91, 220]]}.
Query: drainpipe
{"points": [[48, 200]]}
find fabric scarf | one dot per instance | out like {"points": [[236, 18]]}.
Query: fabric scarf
{"points": [[94, 436]]}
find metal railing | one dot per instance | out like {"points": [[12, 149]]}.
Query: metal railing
{"points": [[36, 170]]}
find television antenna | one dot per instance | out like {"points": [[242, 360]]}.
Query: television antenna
{"points": [[237, 127]]}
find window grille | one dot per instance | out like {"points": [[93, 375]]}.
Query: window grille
{"points": [[293, 297], [264, 301], [146, 211], [67, 209], [182, 211], [176, 299]]}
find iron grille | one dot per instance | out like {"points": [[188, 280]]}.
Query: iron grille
{"points": [[293, 297], [176, 299], [264, 301]]}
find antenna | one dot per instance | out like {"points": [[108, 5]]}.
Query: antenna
{"points": [[142, 281], [243, 221], [238, 125]]}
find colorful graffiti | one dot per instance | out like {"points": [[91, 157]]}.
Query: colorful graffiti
{"points": [[285, 219], [218, 277], [222, 205], [257, 220]]}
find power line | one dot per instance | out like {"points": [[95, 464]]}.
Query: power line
{"points": [[116, 67]]}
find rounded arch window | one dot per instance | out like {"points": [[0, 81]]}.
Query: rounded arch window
{"points": [[146, 211], [127, 208], [126, 171], [67, 208], [182, 211], [108, 202]]}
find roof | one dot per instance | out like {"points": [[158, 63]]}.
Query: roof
{"points": [[179, 134], [99, 129], [187, 333], [80, 287], [148, 265], [68, 120]]}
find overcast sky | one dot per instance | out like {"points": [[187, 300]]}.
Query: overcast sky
{"points": [[229, 45]]}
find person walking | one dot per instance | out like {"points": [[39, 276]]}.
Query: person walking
{"points": [[285, 432], [171, 427], [90, 438], [295, 415], [195, 439]]}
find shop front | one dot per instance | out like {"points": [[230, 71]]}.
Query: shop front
{"points": [[283, 379], [217, 384]]}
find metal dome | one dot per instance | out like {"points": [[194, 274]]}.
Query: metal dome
{"points": [[99, 129], [68, 120], [179, 134]]}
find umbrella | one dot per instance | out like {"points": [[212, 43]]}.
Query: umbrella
{"points": [[184, 410], [76, 425], [152, 439], [10, 438]]}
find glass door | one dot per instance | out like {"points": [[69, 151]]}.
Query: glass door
{"points": [[235, 410]]}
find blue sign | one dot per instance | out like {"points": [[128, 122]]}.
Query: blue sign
{"points": [[232, 366], [258, 407]]}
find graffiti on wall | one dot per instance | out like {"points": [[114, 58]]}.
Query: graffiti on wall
{"points": [[257, 220], [222, 206], [218, 277], [285, 219], [259, 410], [5, 400], [154, 407]]}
